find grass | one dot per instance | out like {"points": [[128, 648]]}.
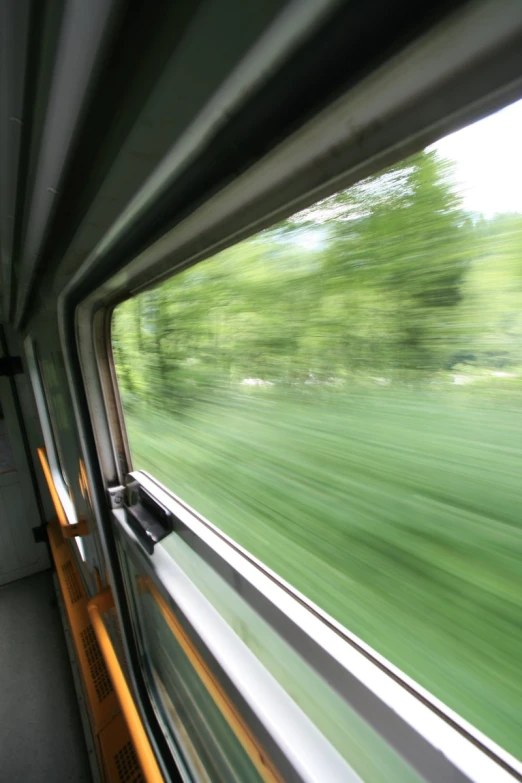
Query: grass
{"points": [[398, 513]]}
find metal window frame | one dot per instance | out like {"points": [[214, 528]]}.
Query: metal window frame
{"points": [[102, 470], [44, 415], [43, 381], [406, 105]]}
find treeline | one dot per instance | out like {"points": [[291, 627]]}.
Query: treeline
{"points": [[390, 280]]}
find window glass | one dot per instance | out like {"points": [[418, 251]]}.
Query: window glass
{"points": [[341, 394], [185, 697], [54, 382], [190, 714]]}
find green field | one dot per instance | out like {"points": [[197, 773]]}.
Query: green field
{"points": [[397, 512]]}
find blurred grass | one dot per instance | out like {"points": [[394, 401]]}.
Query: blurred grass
{"points": [[398, 513]]}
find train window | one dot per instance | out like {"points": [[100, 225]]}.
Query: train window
{"points": [[53, 387], [340, 394], [48, 390]]}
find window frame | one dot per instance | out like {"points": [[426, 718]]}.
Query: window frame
{"points": [[290, 178], [43, 382], [424, 723], [49, 432]]}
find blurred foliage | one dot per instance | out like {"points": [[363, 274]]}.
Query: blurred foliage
{"points": [[341, 394], [403, 284]]}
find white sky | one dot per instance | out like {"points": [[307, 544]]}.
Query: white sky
{"points": [[488, 157]]}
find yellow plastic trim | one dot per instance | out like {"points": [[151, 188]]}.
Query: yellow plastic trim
{"points": [[248, 740], [68, 531], [96, 607], [112, 737]]}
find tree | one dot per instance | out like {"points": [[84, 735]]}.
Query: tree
{"points": [[393, 289]]}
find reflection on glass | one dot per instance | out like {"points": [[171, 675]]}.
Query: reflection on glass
{"points": [[54, 380], [342, 395], [368, 755], [210, 745]]}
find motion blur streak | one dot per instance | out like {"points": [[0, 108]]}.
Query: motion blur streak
{"points": [[342, 395]]}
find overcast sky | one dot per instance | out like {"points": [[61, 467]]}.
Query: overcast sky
{"points": [[488, 156]]}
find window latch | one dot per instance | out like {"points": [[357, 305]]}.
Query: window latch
{"points": [[148, 518]]}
